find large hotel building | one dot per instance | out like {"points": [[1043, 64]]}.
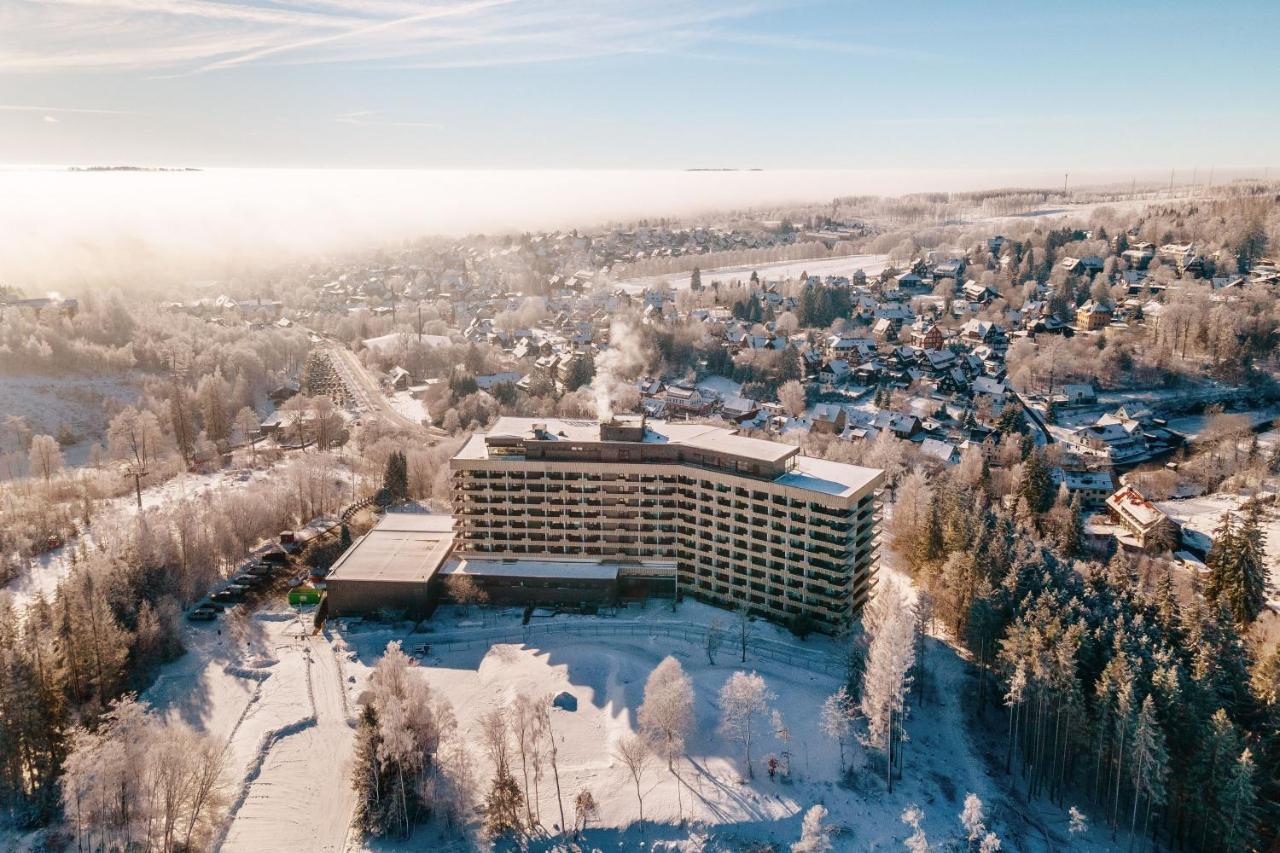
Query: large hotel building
{"points": [[720, 516]]}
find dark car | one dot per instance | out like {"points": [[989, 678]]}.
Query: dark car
{"points": [[230, 595], [276, 556], [202, 614], [262, 568]]}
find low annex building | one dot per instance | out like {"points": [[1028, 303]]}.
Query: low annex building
{"points": [[742, 520], [393, 566]]}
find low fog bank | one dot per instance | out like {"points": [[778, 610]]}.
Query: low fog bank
{"points": [[71, 231]]}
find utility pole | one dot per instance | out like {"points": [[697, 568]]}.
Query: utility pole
{"points": [[1064, 182]]}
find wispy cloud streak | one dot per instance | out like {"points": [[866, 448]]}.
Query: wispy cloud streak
{"points": [[182, 37]]}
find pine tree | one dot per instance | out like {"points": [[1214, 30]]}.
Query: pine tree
{"points": [[1037, 484], [1237, 569], [1238, 816], [1149, 762]]}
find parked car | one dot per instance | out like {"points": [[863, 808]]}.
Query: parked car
{"points": [[276, 556], [230, 595], [202, 614]]}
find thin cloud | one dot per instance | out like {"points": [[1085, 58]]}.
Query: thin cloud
{"points": [[369, 118], [183, 37], [48, 119], [31, 108]]}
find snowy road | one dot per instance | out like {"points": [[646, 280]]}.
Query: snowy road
{"points": [[302, 797]]}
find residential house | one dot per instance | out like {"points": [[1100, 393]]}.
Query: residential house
{"points": [[980, 293], [1093, 315], [943, 451], [1117, 440], [685, 399], [1091, 487], [834, 372], [828, 419], [926, 335], [1147, 525]]}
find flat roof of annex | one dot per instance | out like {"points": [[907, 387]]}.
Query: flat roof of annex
{"points": [[633, 440]]}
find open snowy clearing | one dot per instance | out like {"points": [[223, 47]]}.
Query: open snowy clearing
{"points": [[872, 265], [603, 662], [82, 403]]}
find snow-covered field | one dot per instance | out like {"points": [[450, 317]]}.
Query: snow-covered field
{"points": [[604, 662], [872, 265], [82, 403], [409, 406]]}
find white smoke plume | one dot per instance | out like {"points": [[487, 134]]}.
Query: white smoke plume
{"points": [[615, 365]]}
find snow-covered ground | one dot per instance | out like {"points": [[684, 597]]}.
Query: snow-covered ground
{"points": [[872, 265], [409, 406], [275, 693], [1202, 514], [82, 403], [604, 662]]}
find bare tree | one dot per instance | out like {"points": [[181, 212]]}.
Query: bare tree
{"points": [[634, 752], [585, 808], [45, 456], [544, 722], [715, 636]]}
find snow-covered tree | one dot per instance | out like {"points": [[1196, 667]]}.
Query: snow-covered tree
{"points": [[887, 679], [666, 714], [402, 728], [836, 720], [45, 457], [815, 832], [917, 842], [973, 820], [743, 699], [1077, 823], [1149, 762], [584, 809], [714, 639]]}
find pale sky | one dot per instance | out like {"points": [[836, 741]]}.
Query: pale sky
{"points": [[652, 84]]}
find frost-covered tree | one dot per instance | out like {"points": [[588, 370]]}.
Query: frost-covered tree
{"points": [[1077, 823], [45, 457], [815, 832], [743, 699], [887, 679], [584, 809], [714, 639], [401, 731], [140, 782], [1149, 763], [836, 720], [917, 842], [666, 714], [973, 820]]}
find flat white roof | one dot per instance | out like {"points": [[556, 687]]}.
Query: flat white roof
{"points": [[402, 547], [807, 472], [546, 569]]}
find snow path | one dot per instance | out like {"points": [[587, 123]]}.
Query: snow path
{"points": [[300, 798]]}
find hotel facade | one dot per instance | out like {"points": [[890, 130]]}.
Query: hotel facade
{"points": [[722, 517]]}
